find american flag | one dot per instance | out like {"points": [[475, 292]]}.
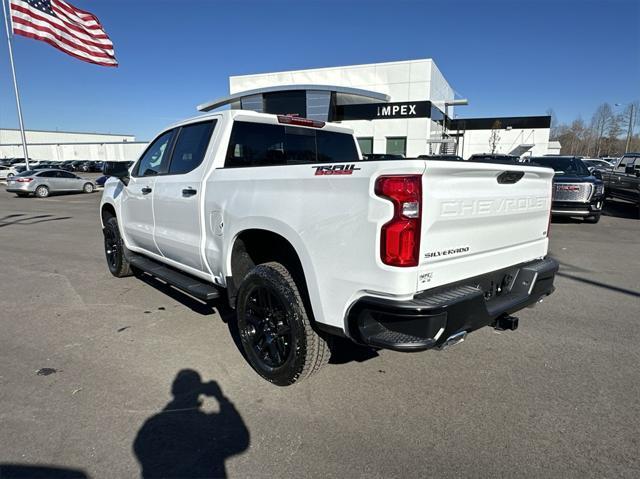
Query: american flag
{"points": [[65, 27]]}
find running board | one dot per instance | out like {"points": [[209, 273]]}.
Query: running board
{"points": [[184, 282]]}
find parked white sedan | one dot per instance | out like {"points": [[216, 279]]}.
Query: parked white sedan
{"points": [[7, 172]]}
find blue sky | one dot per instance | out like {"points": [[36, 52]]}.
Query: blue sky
{"points": [[507, 57]]}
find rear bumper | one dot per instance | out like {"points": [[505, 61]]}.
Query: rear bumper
{"points": [[433, 316], [23, 188]]}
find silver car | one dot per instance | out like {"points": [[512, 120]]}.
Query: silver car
{"points": [[42, 183]]}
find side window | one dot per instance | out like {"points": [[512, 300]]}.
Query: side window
{"points": [[155, 159], [47, 174], [626, 160], [66, 174], [255, 144], [336, 147], [191, 146]]}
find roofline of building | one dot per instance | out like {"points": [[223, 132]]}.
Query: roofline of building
{"points": [[70, 132], [357, 65], [270, 89]]}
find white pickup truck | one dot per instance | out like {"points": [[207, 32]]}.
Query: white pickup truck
{"points": [[310, 241]]}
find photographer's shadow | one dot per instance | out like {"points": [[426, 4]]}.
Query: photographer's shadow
{"points": [[185, 441]]}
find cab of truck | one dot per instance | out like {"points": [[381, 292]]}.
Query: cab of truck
{"points": [[623, 181]]}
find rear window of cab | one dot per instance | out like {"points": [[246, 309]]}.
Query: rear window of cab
{"points": [[261, 144]]}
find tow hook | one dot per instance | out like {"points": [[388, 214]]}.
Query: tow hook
{"points": [[506, 322]]}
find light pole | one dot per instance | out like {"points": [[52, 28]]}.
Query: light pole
{"points": [[630, 127]]}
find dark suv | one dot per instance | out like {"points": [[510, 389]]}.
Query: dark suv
{"points": [[576, 191], [623, 180]]}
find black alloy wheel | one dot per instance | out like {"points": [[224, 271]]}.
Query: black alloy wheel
{"points": [[115, 250], [275, 328], [266, 327]]}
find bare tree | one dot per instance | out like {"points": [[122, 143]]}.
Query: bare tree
{"points": [[573, 138], [611, 145], [607, 134], [600, 124], [630, 119], [494, 138]]}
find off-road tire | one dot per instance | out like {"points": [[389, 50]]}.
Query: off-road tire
{"points": [[308, 351], [115, 250]]}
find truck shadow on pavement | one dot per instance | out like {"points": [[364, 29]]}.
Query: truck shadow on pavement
{"points": [[190, 302], [22, 471], [569, 271], [610, 287], [620, 209], [23, 219], [343, 351], [183, 440]]}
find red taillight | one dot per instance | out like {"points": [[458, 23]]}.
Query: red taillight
{"points": [[296, 120], [400, 237], [24, 180]]}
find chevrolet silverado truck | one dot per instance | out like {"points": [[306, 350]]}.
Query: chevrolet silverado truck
{"points": [[309, 241], [623, 180], [577, 191]]}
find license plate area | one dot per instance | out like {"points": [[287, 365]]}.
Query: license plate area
{"points": [[497, 284], [493, 285]]}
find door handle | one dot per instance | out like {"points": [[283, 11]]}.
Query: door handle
{"points": [[146, 190], [188, 192]]}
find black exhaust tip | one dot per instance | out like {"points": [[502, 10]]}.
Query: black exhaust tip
{"points": [[506, 323]]}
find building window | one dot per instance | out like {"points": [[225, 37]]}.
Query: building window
{"points": [[286, 103], [366, 145], [397, 145]]}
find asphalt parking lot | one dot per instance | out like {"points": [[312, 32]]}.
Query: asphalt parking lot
{"points": [[88, 362]]}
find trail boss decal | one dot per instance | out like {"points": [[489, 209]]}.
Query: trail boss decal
{"points": [[346, 169], [446, 252]]}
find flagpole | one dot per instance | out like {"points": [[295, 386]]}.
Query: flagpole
{"points": [[15, 86]]}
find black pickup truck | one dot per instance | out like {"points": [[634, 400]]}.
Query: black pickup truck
{"points": [[576, 190], [623, 181]]}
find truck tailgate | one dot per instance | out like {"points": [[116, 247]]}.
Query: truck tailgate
{"points": [[481, 217]]}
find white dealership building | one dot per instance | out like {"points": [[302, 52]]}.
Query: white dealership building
{"points": [[68, 145], [404, 107]]}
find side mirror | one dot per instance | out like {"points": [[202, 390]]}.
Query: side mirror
{"points": [[117, 169], [597, 174]]}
